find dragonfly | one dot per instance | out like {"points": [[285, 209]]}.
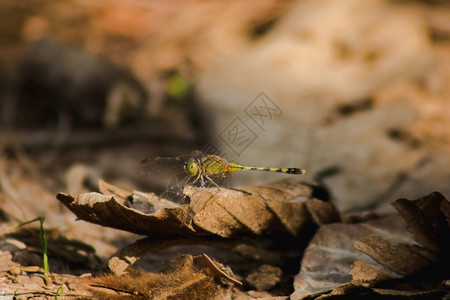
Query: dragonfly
{"points": [[207, 170]]}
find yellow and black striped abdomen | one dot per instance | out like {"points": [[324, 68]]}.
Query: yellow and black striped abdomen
{"points": [[238, 167], [215, 165]]}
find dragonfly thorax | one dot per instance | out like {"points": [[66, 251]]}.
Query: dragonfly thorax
{"points": [[191, 167]]}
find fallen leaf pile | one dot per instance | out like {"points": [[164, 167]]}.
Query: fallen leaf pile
{"points": [[401, 255], [380, 257], [89, 88]]}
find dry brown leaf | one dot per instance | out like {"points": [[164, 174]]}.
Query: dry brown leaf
{"points": [[125, 257], [216, 268], [364, 272], [389, 245], [427, 219], [401, 258], [109, 189], [353, 290], [107, 211], [280, 207], [184, 281], [348, 289], [328, 259]]}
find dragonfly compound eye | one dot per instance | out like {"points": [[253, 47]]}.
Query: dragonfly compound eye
{"points": [[191, 167]]}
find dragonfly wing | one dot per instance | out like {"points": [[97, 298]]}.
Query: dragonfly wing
{"points": [[171, 171], [174, 191], [161, 166], [166, 166]]}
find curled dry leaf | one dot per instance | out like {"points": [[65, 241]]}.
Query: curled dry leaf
{"points": [[382, 250], [428, 221], [110, 211], [216, 268], [327, 260], [280, 207], [404, 259]]}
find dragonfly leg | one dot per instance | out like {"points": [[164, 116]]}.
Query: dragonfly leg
{"points": [[212, 181], [203, 181], [197, 178]]}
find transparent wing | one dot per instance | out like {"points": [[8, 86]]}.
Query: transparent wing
{"points": [[166, 175], [166, 166], [163, 167], [174, 189]]}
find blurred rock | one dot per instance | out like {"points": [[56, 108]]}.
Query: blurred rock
{"points": [[320, 57]]}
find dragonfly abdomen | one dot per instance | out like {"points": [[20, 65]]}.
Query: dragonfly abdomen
{"points": [[215, 165], [278, 170]]}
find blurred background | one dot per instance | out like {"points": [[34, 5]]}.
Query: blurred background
{"points": [[355, 92]]}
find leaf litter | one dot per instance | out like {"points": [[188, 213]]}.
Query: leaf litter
{"points": [[350, 255], [381, 273], [403, 255], [225, 219]]}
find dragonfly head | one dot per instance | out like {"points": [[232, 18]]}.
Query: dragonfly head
{"points": [[191, 167]]}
